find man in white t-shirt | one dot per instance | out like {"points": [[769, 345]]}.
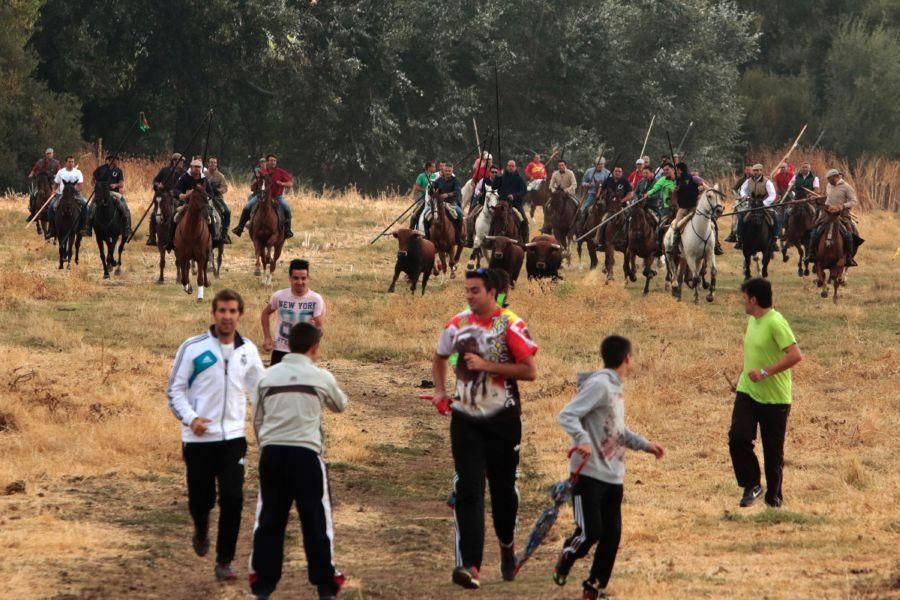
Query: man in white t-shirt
{"points": [[294, 305], [72, 175]]}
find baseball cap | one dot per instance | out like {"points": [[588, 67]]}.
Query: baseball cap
{"points": [[196, 163]]}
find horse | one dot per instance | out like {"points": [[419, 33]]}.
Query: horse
{"points": [[755, 237], [218, 244], [442, 234], [798, 225], [594, 217], [482, 226], [642, 242], [266, 231], [193, 242], [504, 222], [538, 197], [68, 225], [608, 235], [697, 250], [44, 191], [109, 228], [165, 229], [831, 255], [563, 211]]}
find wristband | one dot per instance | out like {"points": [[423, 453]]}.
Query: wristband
{"points": [[764, 373]]}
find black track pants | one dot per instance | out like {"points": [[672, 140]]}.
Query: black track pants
{"points": [[772, 420], [597, 506]]}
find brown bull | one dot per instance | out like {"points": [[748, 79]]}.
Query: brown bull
{"points": [[415, 256], [543, 257], [507, 255]]}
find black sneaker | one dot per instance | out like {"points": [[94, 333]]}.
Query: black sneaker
{"points": [[561, 571], [774, 502], [591, 592], [467, 577], [201, 542], [508, 563], [750, 495], [224, 572], [329, 591]]}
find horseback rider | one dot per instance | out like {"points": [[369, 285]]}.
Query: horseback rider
{"points": [[48, 165], [635, 177], [840, 197], [219, 186], [662, 189], [165, 180], [423, 181], [757, 187], [481, 167], [111, 174], [69, 174], [535, 172], [619, 184], [492, 181], [512, 189], [563, 179], [805, 182], [688, 187], [447, 188], [592, 181], [280, 179], [186, 184]]}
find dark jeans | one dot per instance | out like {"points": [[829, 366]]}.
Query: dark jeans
{"points": [[208, 464], [292, 476], [597, 506], [484, 448], [772, 420]]}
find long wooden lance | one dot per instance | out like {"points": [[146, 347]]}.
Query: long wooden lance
{"points": [[789, 152], [395, 221], [609, 218], [684, 137], [746, 210], [647, 137]]}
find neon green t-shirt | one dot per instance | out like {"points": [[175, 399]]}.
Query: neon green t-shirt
{"points": [[764, 344]]}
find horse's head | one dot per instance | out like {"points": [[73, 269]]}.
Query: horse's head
{"points": [[68, 192], [101, 193], [43, 181], [264, 187], [713, 201], [491, 199], [167, 205]]}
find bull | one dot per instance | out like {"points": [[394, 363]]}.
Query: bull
{"points": [[415, 257], [543, 257], [506, 254]]}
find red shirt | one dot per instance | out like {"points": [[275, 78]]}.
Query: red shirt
{"points": [[480, 169], [783, 180], [279, 177], [635, 178], [535, 170]]}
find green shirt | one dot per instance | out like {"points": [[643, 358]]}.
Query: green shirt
{"points": [[764, 344], [423, 180], [664, 186]]}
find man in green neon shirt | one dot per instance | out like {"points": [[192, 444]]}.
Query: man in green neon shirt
{"points": [[763, 394]]}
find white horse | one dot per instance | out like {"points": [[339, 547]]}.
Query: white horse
{"points": [[697, 249], [483, 225], [466, 193]]}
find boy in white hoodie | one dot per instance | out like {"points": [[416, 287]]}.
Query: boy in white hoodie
{"points": [[595, 418]]}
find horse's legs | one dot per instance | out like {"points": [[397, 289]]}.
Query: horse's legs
{"points": [[77, 248], [765, 264], [102, 252], [746, 266], [162, 265], [713, 271], [219, 260], [648, 273], [119, 260], [837, 276]]}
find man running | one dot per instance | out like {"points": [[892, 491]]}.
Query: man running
{"points": [[71, 175], [219, 186], [296, 304], [212, 376], [279, 180], [763, 394], [595, 418], [287, 419], [112, 175], [495, 351]]}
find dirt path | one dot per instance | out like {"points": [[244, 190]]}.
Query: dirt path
{"points": [[394, 531]]}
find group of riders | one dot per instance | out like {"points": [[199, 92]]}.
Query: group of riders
{"points": [[668, 192], [172, 179]]}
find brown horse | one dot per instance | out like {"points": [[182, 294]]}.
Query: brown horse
{"points": [[44, 191], [563, 212], [608, 235], [165, 229], [504, 222], [642, 242], [830, 255], [442, 234], [67, 223], [594, 217], [266, 231], [193, 242], [798, 226], [538, 197]]}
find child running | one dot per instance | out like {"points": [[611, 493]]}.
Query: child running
{"points": [[595, 418]]}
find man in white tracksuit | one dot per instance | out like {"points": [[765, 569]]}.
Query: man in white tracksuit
{"points": [[287, 418], [212, 376]]}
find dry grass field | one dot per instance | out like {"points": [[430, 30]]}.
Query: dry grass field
{"points": [[85, 427]]}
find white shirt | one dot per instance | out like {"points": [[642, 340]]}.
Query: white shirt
{"points": [[770, 191], [66, 176], [227, 351], [794, 179]]}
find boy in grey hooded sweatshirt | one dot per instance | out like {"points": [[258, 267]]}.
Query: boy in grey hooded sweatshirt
{"points": [[595, 418]]}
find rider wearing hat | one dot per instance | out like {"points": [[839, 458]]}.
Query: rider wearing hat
{"points": [[165, 180], [756, 187], [112, 175], [840, 197], [280, 179], [48, 165]]}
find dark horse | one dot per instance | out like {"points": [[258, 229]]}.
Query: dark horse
{"points": [[831, 255], [266, 231], [609, 236], [642, 242], [757, 231], [504, 222], [109, 228], [798, 225], [563, 211], [442, 234], [68, 225], [594, 217], [165, 230], [44, 191], [193, 242]]}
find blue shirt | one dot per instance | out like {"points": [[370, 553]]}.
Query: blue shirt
{"points": [[594, 178]]}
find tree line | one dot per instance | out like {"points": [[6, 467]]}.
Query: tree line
{"points": [[363, 91]]}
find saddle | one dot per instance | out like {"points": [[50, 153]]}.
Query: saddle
{"points": [[534, 184], [213, 217], [278, 211]]}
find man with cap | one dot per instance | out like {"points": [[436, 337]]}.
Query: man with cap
{"points": [[220, 186], [48, 165], [186, 184], [634, 178], [279, 179], [840, 197], [112, 175], [165, 180], [757, 187]]}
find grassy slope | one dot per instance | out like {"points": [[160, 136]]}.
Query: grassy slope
{"points": [[83, 422]]}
